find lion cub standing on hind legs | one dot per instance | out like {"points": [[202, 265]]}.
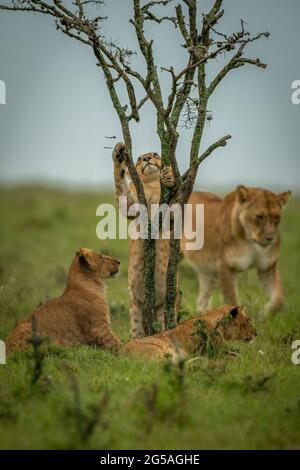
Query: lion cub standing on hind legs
{"points": [[149, 169], [240, 233]]}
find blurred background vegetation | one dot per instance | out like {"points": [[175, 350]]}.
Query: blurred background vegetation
{"points": [[87, 398]]}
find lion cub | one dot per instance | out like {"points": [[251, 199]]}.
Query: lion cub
{"points": [[81, 314], [149, 169], [241, 232], [185, 340]]}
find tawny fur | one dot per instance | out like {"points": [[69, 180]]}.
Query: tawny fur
{"points": [[81, 314], [241, 232], [149, 169], [183, 340]]}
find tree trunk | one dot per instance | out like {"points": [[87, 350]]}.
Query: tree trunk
{"points": [[149, 284], [148, 311], [171, 281], [168, 149]]}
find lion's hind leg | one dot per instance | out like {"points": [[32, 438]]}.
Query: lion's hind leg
{"points": [[160, 317], [136, 320]]}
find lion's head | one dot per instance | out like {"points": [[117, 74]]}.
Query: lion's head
{"points": [[148, 167], [260, 212], [95, 266], [236, 325]]}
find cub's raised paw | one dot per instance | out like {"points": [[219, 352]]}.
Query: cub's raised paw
{"points": [[167, 177], [119, 153]]}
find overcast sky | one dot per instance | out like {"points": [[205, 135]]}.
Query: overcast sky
{"points": [[58, 112]]}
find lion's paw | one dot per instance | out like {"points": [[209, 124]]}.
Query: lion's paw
{"points": [[167, 177], [119, 153]]}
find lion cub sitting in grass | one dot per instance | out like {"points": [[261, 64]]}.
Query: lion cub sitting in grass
{"points": [[81, 314]]}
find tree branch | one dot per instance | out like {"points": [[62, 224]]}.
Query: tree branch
{"points": [[237, 61], [139, 106], [219, 143], [190, 175]]}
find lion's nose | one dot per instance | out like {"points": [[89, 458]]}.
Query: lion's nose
{"points": [[269, 238], [147, 159]]}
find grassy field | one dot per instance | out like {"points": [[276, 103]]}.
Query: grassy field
{"points": [[87, 398]]}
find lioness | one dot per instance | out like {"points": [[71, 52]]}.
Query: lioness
{"points": [[149, 169], [81, 314], [240, 232]]}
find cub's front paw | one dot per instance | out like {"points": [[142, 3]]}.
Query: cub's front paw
{"points": [[119, 153], [167, 177]]}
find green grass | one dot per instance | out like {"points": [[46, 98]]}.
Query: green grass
{"points": [[87, 398]]}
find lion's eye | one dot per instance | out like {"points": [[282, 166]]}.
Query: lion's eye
{"points": [[277, 219], [259, 217]]}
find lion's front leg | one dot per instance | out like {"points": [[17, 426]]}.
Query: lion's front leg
{"points": [[118, 157], [104, 338], [271, 282], [123, 189], [167, 177], [228, 285]]}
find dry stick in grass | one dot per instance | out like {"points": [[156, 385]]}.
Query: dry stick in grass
{"points": [[202, 43], [36, 342], [86, 421]]}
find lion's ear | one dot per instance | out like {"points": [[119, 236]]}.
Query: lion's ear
{"points": [[85, 259], [234, 312], [243, 194], [284, 197]]}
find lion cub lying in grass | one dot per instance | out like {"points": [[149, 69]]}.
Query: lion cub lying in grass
{"points": [[81, 316], [187, 339]]}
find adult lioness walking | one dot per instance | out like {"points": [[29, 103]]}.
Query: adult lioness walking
{"points": [[149, 169], [241, 232]]}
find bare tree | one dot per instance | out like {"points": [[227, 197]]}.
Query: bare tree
{"points": [[187, 100]]}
